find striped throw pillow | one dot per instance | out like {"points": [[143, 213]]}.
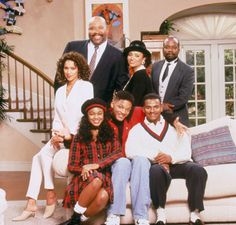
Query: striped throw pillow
{"points": [[213, 147]]}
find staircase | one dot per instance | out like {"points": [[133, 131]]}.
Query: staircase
{"points": [[29, 94]]}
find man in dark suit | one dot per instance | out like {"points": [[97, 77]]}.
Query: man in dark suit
{"points": [[173, 80], [107, 64]]}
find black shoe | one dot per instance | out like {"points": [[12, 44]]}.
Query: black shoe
{"points": [[74, 220], [197, 222], [160, 223]]}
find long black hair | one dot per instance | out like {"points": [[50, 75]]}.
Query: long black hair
{"points": [[105, 131]]}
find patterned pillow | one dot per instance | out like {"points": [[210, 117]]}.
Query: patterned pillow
{"points": [[213, 147]]}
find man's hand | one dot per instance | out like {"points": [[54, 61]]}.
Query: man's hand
{"points": [[168, 107], [87, 170], [163, 158], [180, 128]]}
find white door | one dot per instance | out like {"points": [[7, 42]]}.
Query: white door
{"points": [[227, 68], [198, 57], [214, 93]]}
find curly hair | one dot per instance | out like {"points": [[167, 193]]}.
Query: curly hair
{"points": [[105, 134], [80, 62]]}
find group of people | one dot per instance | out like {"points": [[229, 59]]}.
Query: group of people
{"points": [[112, 140]]}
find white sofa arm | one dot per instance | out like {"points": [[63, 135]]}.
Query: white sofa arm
{"points": [[60, 162], [3, 205]]}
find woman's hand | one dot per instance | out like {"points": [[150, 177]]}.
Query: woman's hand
{"points": [[57, 139], [87, 170]]}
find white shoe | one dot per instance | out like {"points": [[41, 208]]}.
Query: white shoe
{"points": [[113, 220], [141, 222]]}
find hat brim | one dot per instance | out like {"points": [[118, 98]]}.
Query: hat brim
{"points": [[138, 49]]}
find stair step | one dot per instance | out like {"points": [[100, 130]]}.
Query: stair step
{"points": [[14, 110], [40, 130], [29, 120], [45, 141]]}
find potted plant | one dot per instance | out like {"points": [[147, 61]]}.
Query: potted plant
{"points": [[166, 27], [4, 48]]}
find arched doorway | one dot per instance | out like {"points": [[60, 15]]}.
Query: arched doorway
{"points": [[208, 44]]}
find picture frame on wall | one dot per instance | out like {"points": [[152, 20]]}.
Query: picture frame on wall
{"points": [[115, 12]]}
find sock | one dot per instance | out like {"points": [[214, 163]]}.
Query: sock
{"points": [[161, 215], [79, 209], [194, 215], [83, 218]]}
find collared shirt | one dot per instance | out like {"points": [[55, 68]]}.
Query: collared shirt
{"points": [[100, 51], [163, 84], [142, 143]]}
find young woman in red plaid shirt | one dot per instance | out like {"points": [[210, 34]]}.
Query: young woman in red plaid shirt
{"points": [[92, 152]]}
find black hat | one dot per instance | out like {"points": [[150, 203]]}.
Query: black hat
{"points": [[137, 46], [93, 102]]}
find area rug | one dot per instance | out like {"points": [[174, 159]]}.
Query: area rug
{"points": [[15, 208]]}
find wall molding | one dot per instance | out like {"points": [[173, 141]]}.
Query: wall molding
{"points": [[15, 166]]}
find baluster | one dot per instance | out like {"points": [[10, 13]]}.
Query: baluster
{"points": [[16, 86]]}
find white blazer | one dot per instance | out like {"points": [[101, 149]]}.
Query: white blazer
{"points": [[68, 109]]}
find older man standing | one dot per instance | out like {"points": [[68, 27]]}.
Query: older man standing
{"points": [[173, 80], [107, 65]]}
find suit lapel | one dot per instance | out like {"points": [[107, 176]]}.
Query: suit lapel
{"points": [[157, 76], [84, 50], [173, 80]]}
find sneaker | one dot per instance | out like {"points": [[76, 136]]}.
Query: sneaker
{"points": [[113, 220], [141, 222]]}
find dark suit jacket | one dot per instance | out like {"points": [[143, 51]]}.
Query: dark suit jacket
{"points": [[109, 75], [179, 89]]}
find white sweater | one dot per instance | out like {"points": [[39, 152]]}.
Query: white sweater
{"points": [[141, 143]]}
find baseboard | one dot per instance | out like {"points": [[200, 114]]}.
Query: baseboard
{"points": [[15, 166]]}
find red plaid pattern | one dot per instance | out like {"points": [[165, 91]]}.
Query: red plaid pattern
{"points": [[94, 152]]}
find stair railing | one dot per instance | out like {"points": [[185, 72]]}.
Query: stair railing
{"points": [[28, 90]]}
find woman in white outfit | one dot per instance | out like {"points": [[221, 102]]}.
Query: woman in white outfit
{"points": [[73, 72]]}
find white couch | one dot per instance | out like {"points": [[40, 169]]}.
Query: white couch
{"points": [[220, 193]]}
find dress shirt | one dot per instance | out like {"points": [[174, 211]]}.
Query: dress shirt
{"points": [[141, 143], [163, 84], [100, 50]]}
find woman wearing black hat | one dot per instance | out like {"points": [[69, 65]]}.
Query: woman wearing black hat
{"points": [[138, 58], [93, 150]]}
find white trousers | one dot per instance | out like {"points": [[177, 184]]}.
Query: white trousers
{"points": [[41, 169]]}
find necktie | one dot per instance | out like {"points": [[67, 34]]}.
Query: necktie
{"points": [[165, 74], [93, 60]]}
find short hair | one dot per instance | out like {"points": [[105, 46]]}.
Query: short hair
{"points": [[151, 96], [123, 95], [171, 37], [98, 18]]}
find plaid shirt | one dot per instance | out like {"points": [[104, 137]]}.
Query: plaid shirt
{"points": [[95, 152]]}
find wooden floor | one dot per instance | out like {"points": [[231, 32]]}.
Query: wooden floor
{"points": [[15, 184]]}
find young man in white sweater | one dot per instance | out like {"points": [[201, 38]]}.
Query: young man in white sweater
{"points": [[170, 157]]}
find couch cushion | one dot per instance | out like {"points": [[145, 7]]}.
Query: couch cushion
{"points": [[220, 122], [60, 162], [213, 147], [221, 181], [214, 189]]}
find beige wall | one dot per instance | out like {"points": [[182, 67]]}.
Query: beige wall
{"points": [[47, 27], [14, 146]]}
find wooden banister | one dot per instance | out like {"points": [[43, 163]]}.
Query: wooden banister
{"points": [[28, 90]]}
